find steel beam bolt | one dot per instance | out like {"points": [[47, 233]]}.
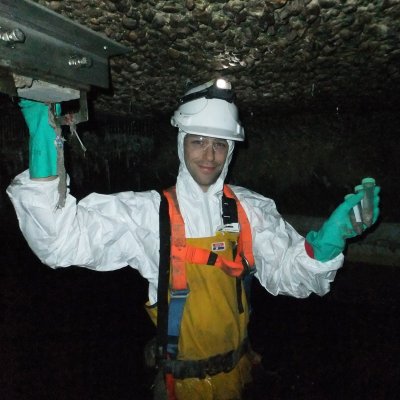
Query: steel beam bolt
{"points": [[14, 36]]}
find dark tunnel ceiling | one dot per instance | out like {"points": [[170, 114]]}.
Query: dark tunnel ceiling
{"points": [[278, 54]]}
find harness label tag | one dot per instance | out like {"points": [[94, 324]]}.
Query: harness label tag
{"points": [[234, 227], [218, 246]]}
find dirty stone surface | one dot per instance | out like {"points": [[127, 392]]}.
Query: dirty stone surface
{"points": [[279, 54]]}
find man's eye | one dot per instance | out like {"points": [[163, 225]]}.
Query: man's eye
{"points": [[197, 142], [221, 145]]}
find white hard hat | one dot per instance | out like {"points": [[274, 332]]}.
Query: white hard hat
{"points": [[208, 110]]}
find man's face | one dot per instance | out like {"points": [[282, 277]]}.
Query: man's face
{"points": [[205, 158]]}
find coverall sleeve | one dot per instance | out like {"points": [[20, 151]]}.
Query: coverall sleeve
{"points": [[101, 232], [283, 266]]}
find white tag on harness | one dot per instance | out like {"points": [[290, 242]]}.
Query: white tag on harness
{"points": [[234, 227]]}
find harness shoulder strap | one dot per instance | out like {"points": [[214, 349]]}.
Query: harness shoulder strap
{"points": [[163, 278], [179, 287], [229, 210], [178, 242], [245, 244]]}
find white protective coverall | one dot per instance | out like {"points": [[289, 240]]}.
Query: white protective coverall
{"points": [[108, 232]]}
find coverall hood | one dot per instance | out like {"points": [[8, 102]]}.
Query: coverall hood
{"points": [[195, 204], [186, 179]]}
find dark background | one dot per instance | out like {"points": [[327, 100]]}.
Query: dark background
{"points": [[75, 333]]}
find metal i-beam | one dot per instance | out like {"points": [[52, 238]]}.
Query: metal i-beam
{"points": [[38, 43]]}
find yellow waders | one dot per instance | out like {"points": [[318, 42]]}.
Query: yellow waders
{"points": [[212, 325]]}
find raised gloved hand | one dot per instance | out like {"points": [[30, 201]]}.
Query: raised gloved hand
{"points": [[330, 240], [42, 147]]}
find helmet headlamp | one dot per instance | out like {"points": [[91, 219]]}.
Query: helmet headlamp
{"points": [[223, 84], [220, 89], [209, 110]]}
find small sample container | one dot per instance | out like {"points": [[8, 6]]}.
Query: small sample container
{"points": [[357, 189], [355, 218], [368, 201]]}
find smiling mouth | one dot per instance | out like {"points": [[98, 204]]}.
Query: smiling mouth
{"points": [[207, 168]]}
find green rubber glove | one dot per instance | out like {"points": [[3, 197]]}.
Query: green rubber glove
{"points": [[42, 148], [330, 240]]}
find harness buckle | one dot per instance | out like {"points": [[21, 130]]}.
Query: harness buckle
{"points": [[179, 293], [247, 268]]}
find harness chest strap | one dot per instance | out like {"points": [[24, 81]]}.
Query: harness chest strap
{"points": [[182, 252]]}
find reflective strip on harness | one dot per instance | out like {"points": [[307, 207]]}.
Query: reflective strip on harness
{"points": [[182, 369]]}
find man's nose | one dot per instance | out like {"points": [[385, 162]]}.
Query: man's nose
{"points": [[209, 152]]}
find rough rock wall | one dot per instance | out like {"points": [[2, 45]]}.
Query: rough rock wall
{"points": [[278, 53]]}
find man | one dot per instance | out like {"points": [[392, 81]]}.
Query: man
{"points": [[220, 235]]}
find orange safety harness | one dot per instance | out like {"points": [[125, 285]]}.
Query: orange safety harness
{"points": [[181, 252]]}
